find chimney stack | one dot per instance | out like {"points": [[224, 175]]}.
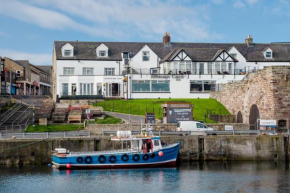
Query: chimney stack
{"points": [[249, 40], [166, 39]]}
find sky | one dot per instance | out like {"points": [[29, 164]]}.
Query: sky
{"points": [[28, 28]]}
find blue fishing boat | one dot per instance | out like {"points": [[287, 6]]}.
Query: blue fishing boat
{"points": [[140, 151]]}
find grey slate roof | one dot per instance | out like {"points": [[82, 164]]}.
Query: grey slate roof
{"points": [[46, 69], [87, 50], [23, 63]]}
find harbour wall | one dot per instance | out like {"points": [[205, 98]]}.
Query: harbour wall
{"points": [[193, 148], [96, 129]]}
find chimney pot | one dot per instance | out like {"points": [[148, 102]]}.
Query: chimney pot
{"points": [[249, 40], [166, 39]]}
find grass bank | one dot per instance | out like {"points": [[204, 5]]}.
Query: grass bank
{"points": [[54, 128], [140, 106], [107, 120]]}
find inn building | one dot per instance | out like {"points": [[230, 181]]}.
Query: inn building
{"points": [[132, 70]]}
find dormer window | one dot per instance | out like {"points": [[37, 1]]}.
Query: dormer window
{"points": [[268, 54], [102, 53], [67, 50], [125, 55], [67, 53]]}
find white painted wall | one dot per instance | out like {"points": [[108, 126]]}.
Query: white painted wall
{"points": [[181, 88], [138, 63]]}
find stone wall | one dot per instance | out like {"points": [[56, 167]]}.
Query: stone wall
{"points": [[268, 89], [206, 148], [96, 129]]}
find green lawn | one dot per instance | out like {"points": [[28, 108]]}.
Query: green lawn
{"points": [[54, 128], [107, 120], [140, 106]]}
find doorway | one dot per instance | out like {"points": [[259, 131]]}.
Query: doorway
{"points": [[254, 116], [73, 89], [113, 90]]}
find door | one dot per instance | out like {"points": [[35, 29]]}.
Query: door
{"points": [[73, 89], [201, 68], [230, 68]]}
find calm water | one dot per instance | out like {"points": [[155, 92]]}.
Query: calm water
{"points": [[188, 177]]}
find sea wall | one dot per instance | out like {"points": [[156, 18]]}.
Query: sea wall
{"points": [[193, 148], [96, 129]]}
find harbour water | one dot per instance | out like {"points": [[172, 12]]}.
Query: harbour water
{"points": [[187, 177]]}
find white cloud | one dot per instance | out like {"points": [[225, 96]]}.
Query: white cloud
{"points": [[251, 2], [36, 59], [239, 4], [218, 2], [119, 20]]}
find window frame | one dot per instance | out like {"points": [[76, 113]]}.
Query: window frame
{"points": [[267, 52], [88, 69], [112, 70], [65, 53], [102, 51], [67, 71], [145, 55]]}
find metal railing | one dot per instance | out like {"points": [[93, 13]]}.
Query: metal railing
{"points": [[9, 113], [233, 132], [47, 135]]}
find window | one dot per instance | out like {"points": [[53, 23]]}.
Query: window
{"points": [[140, 85], [217, 67], [195, 86], [208, 86], [209, 67], [88, 71], [68, 71], [125, 55], [160, 86], [86, 88], [109, 71], [102, 53], [188, 66], [234, 55], [67, 52], [194, 68], [156, 142], [64, 89], [224, 66], [202, 86], [154, 71], [146, 56], [268, 54], [200, 125]]}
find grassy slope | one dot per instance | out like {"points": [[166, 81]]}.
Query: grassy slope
{"points": [[107, 120], [54, 128], [138, 106]]}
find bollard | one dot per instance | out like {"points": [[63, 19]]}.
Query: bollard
{"points": [[23, 135], [47, 135], [0, 135], [64, 134]]}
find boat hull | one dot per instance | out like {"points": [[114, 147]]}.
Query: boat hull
{"points": [[155, 159]]}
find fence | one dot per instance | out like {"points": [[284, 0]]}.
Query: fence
{"points": [[47, 135]]}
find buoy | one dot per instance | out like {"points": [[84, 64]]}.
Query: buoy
{"points": [[68, 165], [160, 153]]}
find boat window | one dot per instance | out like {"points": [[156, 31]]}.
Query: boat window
{"points": [[156, 142]]}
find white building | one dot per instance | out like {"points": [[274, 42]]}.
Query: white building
{"points": [[156, 70]]}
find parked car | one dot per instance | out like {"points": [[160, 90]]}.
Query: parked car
{"points": [[192, 126]]}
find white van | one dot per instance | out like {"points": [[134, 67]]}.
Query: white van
{"points": [[192, 126]]}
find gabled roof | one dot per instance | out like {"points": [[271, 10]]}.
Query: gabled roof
{"points": [[86, 50], [23, 63]]}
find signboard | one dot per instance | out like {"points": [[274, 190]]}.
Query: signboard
{"points": [[229, 128], [268, 123], [178, 114], [150, 118]]}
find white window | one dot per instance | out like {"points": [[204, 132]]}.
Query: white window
{"points": [[88, 71], [102, 53], [109, 71], [67, 52], [68, 71], [146, 56], [268, 54]]}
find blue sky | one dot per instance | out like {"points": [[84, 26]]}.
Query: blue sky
{"points": [[29, 27]]}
